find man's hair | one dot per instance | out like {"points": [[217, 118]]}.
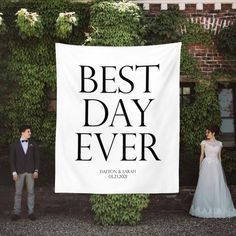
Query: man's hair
{"points": [[23, 128]]}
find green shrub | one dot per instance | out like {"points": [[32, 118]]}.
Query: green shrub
{"points": [[118, 209], [115, 24], [29, 24], [65, 23]]}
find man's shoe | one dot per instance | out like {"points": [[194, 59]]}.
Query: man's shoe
{"points": [[15, 217], [32, 217]]}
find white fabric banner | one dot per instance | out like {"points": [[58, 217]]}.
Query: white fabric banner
{"points": [[117, 119]]}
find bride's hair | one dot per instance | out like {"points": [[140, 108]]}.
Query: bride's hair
{"points": [[214, 129]]}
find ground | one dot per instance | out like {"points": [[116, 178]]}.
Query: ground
{"points": [[156, 223], [70, 214]]}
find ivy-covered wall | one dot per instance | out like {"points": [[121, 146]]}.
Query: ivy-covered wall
{"points": [[29, 63], [28, 78], [28, 73]]}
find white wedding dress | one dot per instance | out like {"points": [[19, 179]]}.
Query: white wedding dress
{"points": [[212, 197]]}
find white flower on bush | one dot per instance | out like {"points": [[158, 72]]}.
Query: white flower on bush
{"points": [[2, 25], [65, 23], [69, 17], [22, 12], [32, 17], [29, 23], [1, 19]]}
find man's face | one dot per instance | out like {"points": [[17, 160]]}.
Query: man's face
{"points": [[26, 134]]}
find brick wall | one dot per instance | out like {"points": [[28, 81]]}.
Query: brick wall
{"points": [[210, 60], [212, 18]]}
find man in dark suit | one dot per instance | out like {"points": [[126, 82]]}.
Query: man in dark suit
{"points": [[24, 162]]}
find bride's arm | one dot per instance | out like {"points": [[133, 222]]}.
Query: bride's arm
{"points": [[219, 155], [201, 155]]}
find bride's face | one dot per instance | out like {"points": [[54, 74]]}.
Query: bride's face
{"points": [[209, 134]]}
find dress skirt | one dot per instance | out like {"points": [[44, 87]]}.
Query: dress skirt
{"points": [[212, 198]]}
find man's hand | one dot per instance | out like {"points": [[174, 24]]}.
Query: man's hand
{"points": [[35, 175], [15, 177]]}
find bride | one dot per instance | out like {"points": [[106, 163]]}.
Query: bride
{"points": [[212, 198]]}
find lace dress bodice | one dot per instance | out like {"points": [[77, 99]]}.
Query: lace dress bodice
{"points": [[212, 148]]}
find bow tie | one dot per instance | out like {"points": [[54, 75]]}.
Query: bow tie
{"points": [[24, 141]]}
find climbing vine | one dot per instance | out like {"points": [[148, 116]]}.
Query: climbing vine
{"points": [[116, 24], [225, 40], [172, 26], [31, 65]]}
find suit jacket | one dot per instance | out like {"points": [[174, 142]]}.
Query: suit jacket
{"points": [[21, 162]]}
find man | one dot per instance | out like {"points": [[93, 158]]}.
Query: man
{"points": [[24, 162]]}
